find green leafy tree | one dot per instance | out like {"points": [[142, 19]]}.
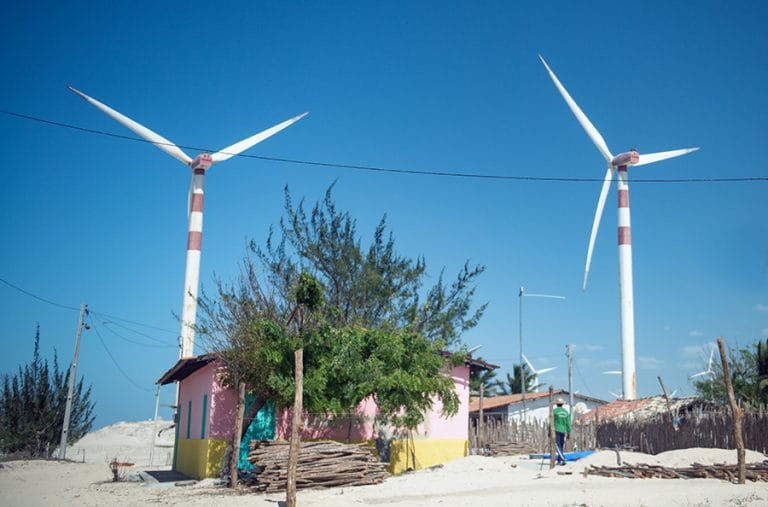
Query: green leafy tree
{"points": [[32, 407], [745, 366], [373, 287], [762, 370], [513, 383], [371, 336]]}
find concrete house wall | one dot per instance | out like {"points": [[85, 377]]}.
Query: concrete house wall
{"points": [[207, 412]]}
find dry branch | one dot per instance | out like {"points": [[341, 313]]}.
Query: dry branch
{"points": [[754, 472]]}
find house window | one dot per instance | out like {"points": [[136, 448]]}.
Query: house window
{"points": [[189, 417], [204, 416]]}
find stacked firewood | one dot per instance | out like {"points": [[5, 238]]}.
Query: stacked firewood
{"points": [[754, 472], [322, 464]]}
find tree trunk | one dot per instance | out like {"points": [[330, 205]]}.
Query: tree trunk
{"points": [[293, 456], [248, 418], [736, 411], [235, 456], [551, 429]]}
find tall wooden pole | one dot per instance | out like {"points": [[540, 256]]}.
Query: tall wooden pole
{"points": [[551, 428], [735, 410], [293, 456], [480, 436], [234, 459], [71, 389]]}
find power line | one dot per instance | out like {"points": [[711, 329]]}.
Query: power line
{"points": [[148, 326], [47, 301], [73, 308], [450, 174], [114, 361], [142, 344]]}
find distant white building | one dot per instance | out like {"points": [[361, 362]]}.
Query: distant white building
{"points": [[532, 406]]}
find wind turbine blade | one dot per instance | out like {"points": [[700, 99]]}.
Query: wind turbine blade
{"points": [[545, 370], [698, 374], [241, 146], [153, 137], [649, 158], [533, 370], [596, 222], [585, 123], [612, 372]]}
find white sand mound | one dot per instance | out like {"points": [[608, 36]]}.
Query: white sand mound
{"points": [[126, 441]]}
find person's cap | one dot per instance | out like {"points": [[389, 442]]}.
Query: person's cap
{"points": [[560, 401]]}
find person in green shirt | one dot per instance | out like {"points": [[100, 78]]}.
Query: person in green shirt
{"points": [[562, 429]]}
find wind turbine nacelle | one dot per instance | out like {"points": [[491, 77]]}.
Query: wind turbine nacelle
{"points": [[202, 161], [627, 158]]}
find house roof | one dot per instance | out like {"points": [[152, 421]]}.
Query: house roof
{"points": [[474, 364], [185, 367], [645, 407], [492, 402]]}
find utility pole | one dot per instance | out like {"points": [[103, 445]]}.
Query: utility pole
{"points": [[70, 391], [569, 353]]}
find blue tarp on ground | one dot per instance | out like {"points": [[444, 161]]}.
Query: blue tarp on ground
{"points": [[569, 456]]}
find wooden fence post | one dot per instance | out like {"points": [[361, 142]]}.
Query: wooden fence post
{"points": [[551, 429], [480, 434], [597, 423], [736, 411], [293, 454]]}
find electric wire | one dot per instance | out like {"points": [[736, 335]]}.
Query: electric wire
{"points": [[114, 361], [77, 309], [129, 340], [35, 296], [148, 326], [370, 168]]}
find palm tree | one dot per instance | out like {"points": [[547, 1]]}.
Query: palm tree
{"points": [[486, 378], [515, 381]]}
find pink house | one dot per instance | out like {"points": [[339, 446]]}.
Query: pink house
{"points": [[206, 418]]}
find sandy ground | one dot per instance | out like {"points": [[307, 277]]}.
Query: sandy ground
{"points": [[514, 480]]}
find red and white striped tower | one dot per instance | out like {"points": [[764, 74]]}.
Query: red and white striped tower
{"points": [[199, 165], [626, 289], [194, 243], [619, 164]]}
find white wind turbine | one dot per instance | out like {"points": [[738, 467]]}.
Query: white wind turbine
{"points": [[199, 165], [709, 371], [537, 373], [619, 163]]}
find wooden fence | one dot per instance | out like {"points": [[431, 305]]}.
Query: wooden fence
{"points": [[698, 429], [652, 435]]}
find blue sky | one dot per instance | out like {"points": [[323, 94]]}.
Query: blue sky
{"points": [[432, 86]]}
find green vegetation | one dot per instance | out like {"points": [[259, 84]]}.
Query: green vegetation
{"points": [[749, 374], [32, 407], [357, 312], [514, 382]]}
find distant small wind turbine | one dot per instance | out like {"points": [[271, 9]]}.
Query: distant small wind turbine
{"points": [[199, 166], [620, 163], [537, 373], [709, 371]]}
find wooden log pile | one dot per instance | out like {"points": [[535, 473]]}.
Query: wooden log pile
{"points": [[754, 472], [322, 464]]}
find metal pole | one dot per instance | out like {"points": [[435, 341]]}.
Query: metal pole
{"points": [[569, 353], [70, 391], [522, 370]]}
